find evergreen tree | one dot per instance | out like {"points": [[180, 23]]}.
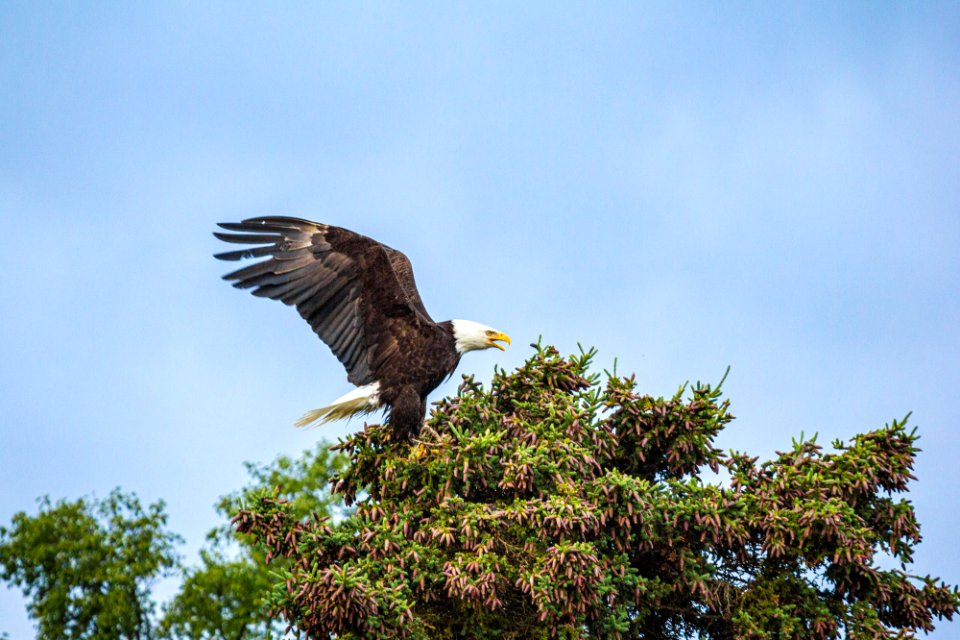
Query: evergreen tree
{"points": [[553, 506]]}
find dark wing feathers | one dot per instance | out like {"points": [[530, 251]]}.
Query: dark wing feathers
{"points": [[339, 281], [404, 270]]}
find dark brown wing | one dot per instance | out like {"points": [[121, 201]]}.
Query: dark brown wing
{"points": [[344, 284], [404, 270]]}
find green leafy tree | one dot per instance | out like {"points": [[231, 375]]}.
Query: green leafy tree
{"points": [[554, 506], [223, 598], [86, 567]]}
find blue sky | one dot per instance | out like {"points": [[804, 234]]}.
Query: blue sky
{"points": [[773, 187]]}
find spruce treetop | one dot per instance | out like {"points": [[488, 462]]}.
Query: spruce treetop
{"points": [[558, 505]]}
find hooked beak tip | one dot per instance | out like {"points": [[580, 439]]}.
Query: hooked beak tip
{"points": [[502, 337]]}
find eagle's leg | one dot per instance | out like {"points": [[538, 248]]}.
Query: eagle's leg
{"points": [[406, 415]]}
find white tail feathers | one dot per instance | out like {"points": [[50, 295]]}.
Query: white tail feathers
{"points": [[360, 401]]}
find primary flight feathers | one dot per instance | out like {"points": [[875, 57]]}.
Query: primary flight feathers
{"points": [[361, 299]]}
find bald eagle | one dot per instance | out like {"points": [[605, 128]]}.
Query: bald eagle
{"points": [[361, 299]]}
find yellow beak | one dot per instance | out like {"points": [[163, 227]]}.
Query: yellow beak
{"points": [[498, 336]]}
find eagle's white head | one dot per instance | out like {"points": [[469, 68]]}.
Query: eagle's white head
{"points": [[471, 336]]}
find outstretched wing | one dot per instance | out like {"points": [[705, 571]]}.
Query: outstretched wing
{"points": [[404, 270], [357, 294]]}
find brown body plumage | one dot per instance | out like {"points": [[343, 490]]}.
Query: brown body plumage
{"points": [[361, 299]]}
